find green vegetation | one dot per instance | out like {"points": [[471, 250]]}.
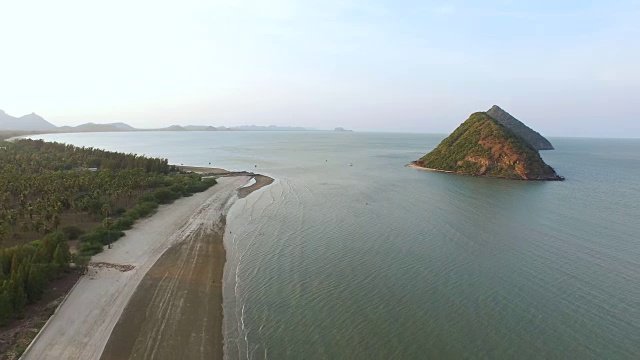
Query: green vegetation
{"points": [[111, 230], [26, 269], [483, 147], [51, 194], [531, 137]]}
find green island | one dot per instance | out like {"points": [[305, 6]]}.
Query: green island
{"points": [[529, 135], [61, 204], [482, 146]]}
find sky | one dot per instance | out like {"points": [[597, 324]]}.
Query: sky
{"points": [[565, 68]]}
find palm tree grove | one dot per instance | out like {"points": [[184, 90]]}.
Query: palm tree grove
{"points": [[60, 204]]}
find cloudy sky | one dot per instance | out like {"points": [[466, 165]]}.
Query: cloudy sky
{"points": [[566, 68]]}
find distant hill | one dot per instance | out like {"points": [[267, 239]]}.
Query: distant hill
{"points": [[173, 128], [482, 146], [205, 128], [31, 122], [532, 137], [199, 128], [267, 128], [122, 126], [91, 127], [341, 129]]}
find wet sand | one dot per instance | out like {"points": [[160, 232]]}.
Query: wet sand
{"points": [[82, 325], [414, 166], [261, 181], [203, 170], [176, 311]]}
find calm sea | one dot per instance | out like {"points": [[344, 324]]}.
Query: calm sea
{"points": [[379, 261]]}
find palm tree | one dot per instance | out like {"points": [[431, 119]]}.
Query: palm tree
{"points": [[108, 224], [3, 233], [106, 210]]}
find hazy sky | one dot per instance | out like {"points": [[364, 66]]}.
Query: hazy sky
{"points": [[566, 68]]}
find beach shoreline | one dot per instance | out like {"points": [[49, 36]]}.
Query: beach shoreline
{"points": [[414, 166], [203, 170], [83, 325], [176, 310], [260, 182]]}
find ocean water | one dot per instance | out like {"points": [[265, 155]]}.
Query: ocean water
{"points": [[380, 261]]}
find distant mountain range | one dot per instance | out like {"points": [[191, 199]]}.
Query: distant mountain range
{"points": [[34, 122], [31, 122], [91, 127]]}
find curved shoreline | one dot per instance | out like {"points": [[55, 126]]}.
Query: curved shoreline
{"points": [[83, 325], [414, 166], [417, 167]]}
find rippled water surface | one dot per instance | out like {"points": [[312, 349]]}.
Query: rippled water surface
{"points": [[379, 261]]}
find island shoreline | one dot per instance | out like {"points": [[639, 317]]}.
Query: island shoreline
{"points": [[414, 165]]}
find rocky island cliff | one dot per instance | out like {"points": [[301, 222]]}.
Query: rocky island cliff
{"points": [[529, 135], [483, 146]]}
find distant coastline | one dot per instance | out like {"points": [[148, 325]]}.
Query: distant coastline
{"points": [[34, 123]]}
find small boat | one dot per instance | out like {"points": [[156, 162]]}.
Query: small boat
{"points": [[350, 164]]}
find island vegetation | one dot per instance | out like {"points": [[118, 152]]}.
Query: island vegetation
{"points": [[482, 146], [529, 135], [60, 204]]}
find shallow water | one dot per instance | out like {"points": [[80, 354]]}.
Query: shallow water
{"points": [[379, 261]]}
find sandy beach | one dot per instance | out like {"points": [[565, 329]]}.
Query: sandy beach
{"points": [[176, 311], [203, 170], [414, 166], [178, 250], [261, 181]]}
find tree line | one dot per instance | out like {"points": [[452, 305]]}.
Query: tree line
{"points": [[25, 271], [51, 193]]}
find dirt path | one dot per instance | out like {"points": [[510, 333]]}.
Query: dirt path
{"points": [[83, 324]]}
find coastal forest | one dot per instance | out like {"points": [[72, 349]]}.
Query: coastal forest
{"points": [[60, 204]]}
